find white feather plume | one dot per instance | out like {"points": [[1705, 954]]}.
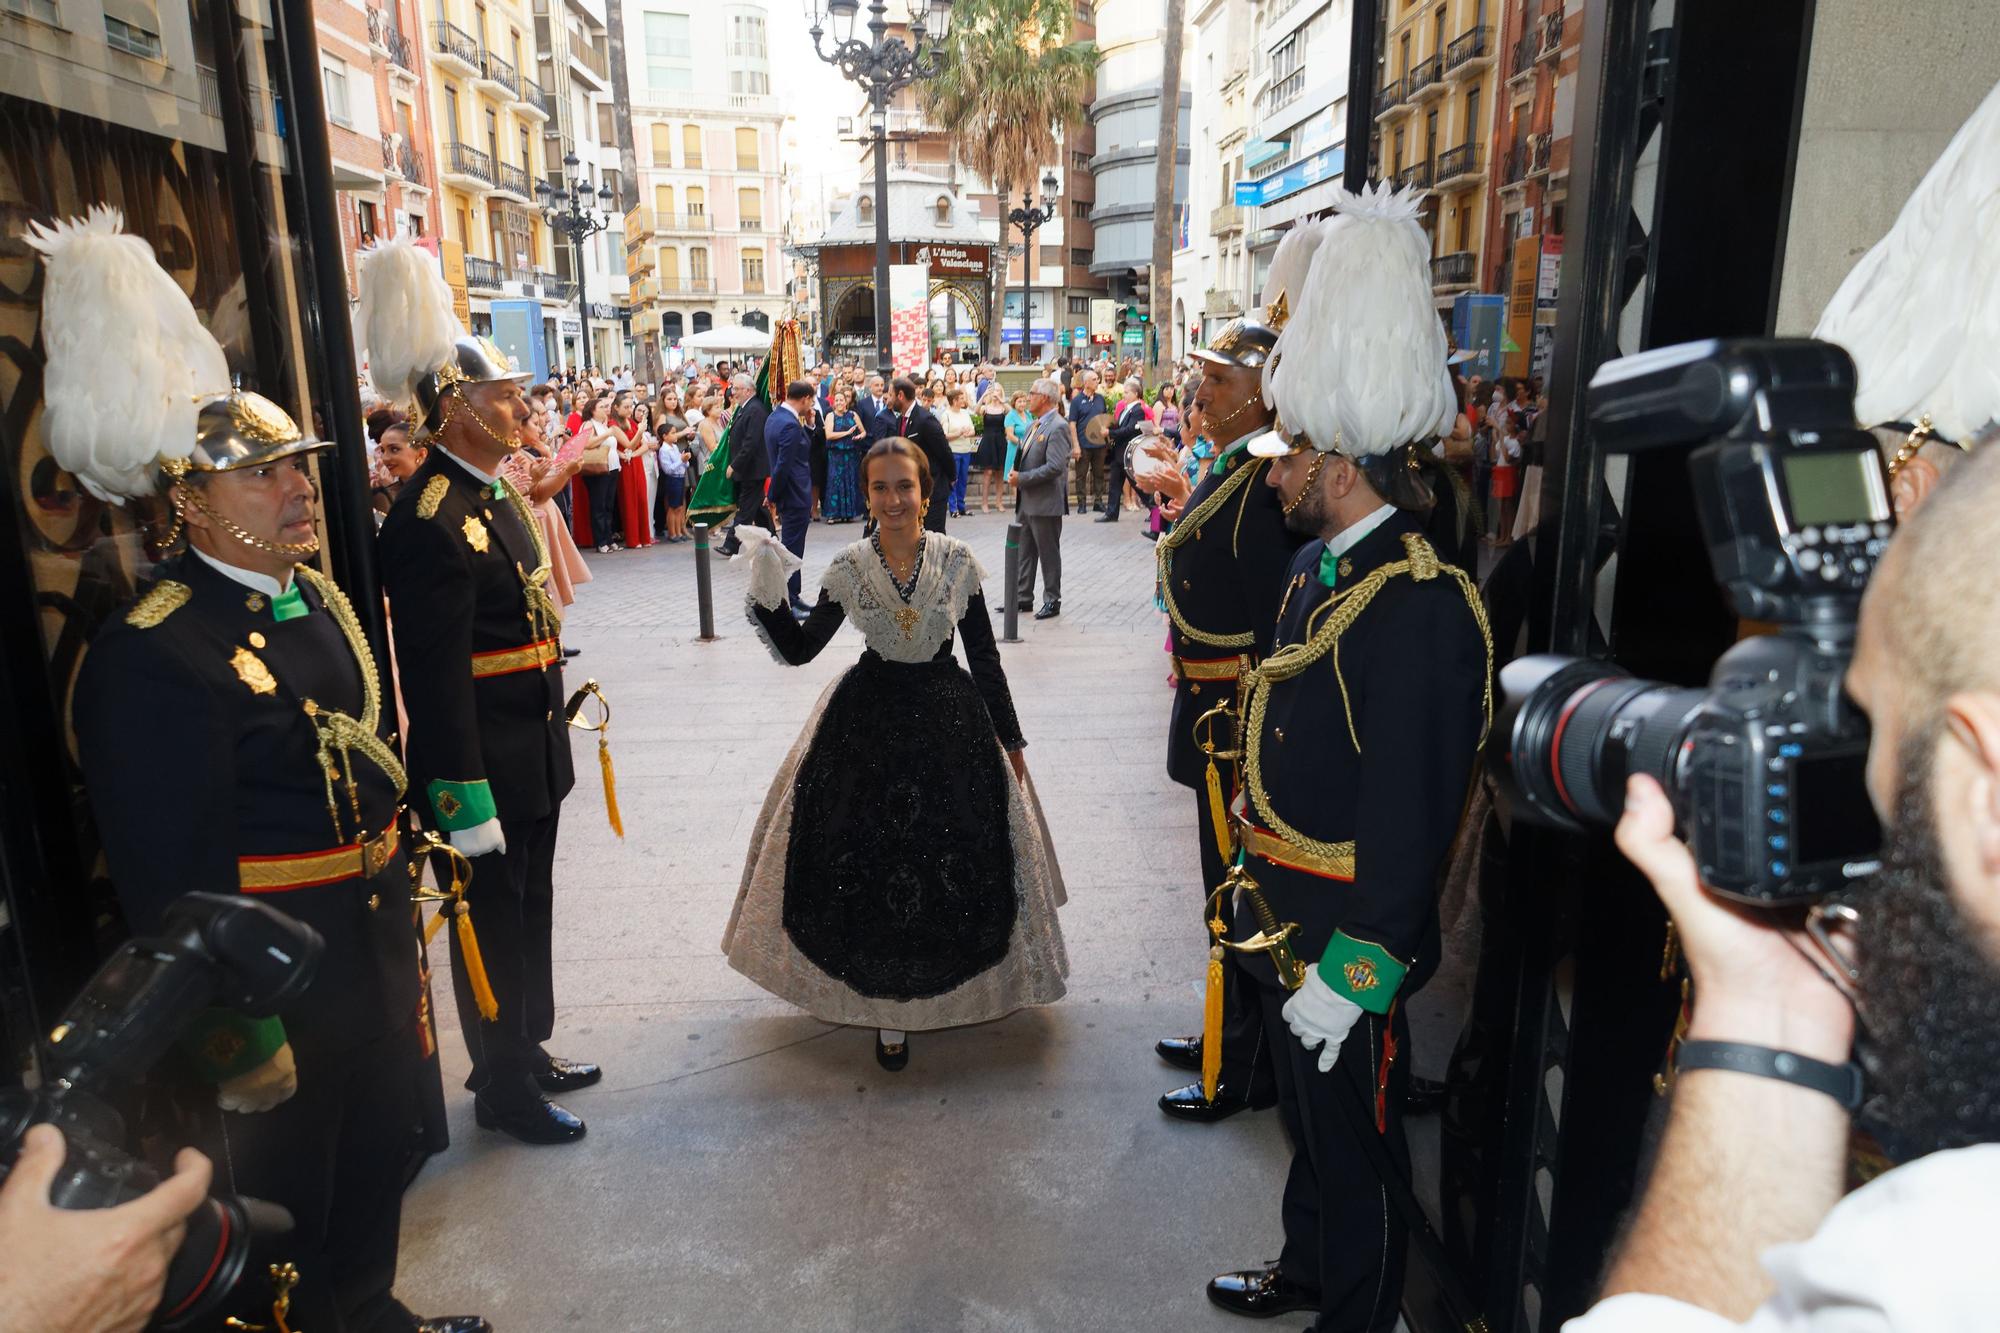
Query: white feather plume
{"points": [[1287, 277], [129, 362], [1920, 314], [1361, 363], [405, 319]]}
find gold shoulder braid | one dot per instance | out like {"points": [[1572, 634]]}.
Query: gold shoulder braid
{"points": [[1422, 565], [1188, 526], [434, 492], [338, 731], [166, 598]]}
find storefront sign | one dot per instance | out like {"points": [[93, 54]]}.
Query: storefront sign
{"points": [[1249, 193], [1551, 273], [1258, 152], [568, 326], [1326, 164], [1135, 337], [961, 260], [1103, 318], [603, 310]]}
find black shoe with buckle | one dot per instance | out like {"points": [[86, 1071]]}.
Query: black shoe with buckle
{"points": [[1180, 1052], [1188, 1104], [567, 1075], [892, 1057], [1260, 1293]]}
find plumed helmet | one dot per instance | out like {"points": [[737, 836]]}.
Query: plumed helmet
{"points": [[416, 348]]}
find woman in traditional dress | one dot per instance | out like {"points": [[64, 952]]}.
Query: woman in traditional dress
{"points": [[846, 437], [900, 875]]}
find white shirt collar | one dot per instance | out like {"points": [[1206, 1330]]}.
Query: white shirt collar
{"points": [[1351, 536], [249, 578], [485, 478]]}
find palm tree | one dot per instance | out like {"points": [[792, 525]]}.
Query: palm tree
{"points": [[1009, 82]]}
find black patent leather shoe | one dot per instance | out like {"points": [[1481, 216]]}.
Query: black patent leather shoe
{"points": [[1049, 611], [568, 1075], [1188, 1104], [892, 1058], [1260, 1293], [539, 1122], [454, 1323], [1180, 1052]]}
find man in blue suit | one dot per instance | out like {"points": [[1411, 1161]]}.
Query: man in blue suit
{"points": [[790, 446]]}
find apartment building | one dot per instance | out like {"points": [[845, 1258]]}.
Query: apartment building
{"points": [[373, 77], [1297, 147], [1125, 115], [703, 243], [1212, 261], [1433, 117], [572, 50], [1539, 45]]}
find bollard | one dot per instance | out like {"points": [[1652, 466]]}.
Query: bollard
{"points": [[1011, 619], [704, 594]]}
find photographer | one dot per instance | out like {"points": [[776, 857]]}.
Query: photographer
{"points": [[91, 1271]]}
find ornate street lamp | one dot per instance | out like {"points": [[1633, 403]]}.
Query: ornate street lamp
{"points": [[1030, 219], [578, 214], [883, 66]]}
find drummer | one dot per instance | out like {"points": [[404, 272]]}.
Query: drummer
{"points": [[1088, 419]]}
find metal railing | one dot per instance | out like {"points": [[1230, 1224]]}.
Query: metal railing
{"points": [[1455, 270], [462, 159], [402, 158], [1417, 174], [581, 51], [1540, 149], [483, 273], [687, 286], [1467, 47], [500, 70], [532, 93], [1460, 161], [1389, 97], [1423, 77], [1514, 169], [449, 39], [683, 222], [514, 180], [1551, 34], [1524, 55], [638, 227]]}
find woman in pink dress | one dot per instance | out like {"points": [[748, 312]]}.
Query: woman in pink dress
{"points": [[533, 471]]}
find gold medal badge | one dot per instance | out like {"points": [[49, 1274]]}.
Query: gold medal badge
{"points": [[475, 535], [250, 669]]}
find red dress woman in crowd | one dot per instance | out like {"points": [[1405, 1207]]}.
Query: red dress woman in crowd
{"points": [[634, 509]]}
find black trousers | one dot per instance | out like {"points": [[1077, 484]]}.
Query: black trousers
{"points": [[1114, 486], [1246, 1052], [336, 1154], [1342, 1235], [603, 492], [795, 520], [750, 507], [513, 913]]}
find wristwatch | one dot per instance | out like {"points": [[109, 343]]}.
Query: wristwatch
{"points": [[1840, 1082]]}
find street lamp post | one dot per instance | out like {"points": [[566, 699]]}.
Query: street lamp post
{"points": [[578, 214], [1029, 220], [883, 66]]}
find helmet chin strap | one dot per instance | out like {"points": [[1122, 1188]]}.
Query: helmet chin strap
{"points": [[510, 445], [1312, 480], [185, 495]]}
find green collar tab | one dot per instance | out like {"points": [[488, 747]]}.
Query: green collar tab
{"points": [[290, 604]]}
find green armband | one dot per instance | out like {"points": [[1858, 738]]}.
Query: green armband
{"points": [[222, 1043], [461, 805], [1362, 972]]}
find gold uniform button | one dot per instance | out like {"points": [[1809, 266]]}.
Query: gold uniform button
{"points": [[1279, 732], [374, 901], [1186, 586], [549, 716], [256, 639]]}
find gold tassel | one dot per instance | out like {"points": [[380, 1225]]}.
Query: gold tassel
{"points": [[475, 966], [610, 785], [1211, 1025], [1218, 811]]}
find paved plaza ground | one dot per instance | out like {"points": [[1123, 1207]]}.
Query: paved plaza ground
{"points": [[748, 1167]]}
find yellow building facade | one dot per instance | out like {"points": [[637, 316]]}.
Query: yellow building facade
{"points": [[1434, 123]]}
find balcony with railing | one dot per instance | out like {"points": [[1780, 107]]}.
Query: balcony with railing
{"points": [[639, 228], [1388, 98], [1514, 167], [594, 62], [644, 292], [512, 180], [1415, 176], [467, 167], [1551, 34], [1541, 148], [454, 48], [483, 274], [1221, 303], [1224, 219], [692, 286], [561, 289], [1425, 80], [534, 102], [388, 41], [1521, 62], [1458, 167], [683, 222], [401, 158], [1468, 52], [1455, 270], [499, 75]]}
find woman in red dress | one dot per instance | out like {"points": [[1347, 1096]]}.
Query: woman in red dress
{"points": [[633, 517]]}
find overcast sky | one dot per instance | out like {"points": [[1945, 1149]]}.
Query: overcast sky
{"points": [[814, 92]]}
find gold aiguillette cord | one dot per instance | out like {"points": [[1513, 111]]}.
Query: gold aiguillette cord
{"points": [[451, 902], [602, 726]]}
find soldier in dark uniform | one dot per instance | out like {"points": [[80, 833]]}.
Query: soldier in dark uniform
{"points": [[232, 735], [1361, 727], [479, 657], [1221, 573]]}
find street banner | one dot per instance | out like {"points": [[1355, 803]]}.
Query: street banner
{"points": [[1103, 319], [909, 317], [1523, 279]]}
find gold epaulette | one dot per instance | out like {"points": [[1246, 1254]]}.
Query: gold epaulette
{"points": [[166, 598], [433, 496]]}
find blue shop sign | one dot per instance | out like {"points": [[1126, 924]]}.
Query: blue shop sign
{"points": [[1326, 164], [1249, 192]]}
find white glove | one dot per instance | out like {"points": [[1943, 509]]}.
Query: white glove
{"points": [[479, 840], [1320, 1018], [771, 566], [264, 1087]]}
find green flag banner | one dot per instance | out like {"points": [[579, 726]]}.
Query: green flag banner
{"points": [[715, 494]]}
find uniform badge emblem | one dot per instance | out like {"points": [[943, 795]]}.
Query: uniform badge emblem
{"points": [[1360, 975], [254, 602], [250, 669], [1346, 567], [475, 534], [448, 805]]}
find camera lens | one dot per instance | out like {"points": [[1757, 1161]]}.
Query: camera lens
{"points": [[1572, 730]]}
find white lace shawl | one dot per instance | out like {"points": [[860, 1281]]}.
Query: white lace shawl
{"points": [[947, 582]]}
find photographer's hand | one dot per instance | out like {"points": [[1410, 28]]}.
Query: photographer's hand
{"points": [[1746, 1162], [87, 1271], [269, 1084]]}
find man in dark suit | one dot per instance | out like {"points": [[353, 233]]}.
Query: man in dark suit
{"points": [[874, 409], [789, 445], [479, 653], [749, 459], [915, 422]]}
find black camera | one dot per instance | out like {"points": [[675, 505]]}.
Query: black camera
{"points": [[1766, 767], [214, 949]]}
